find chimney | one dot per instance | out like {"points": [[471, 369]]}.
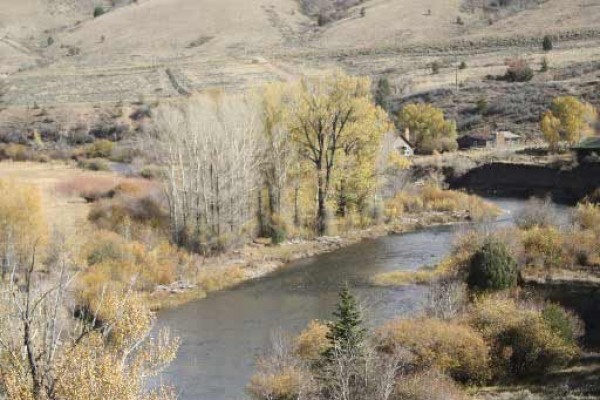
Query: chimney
{"points": [[407, 134]]}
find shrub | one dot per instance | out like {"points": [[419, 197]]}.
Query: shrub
{"points": [[587, 216], [100, 148], [561, 323], [98, 11], [518, 71], [521, 340], [435, 67], [323, 19], [433, 198], [213, 280], [492, 267], [536, 213], [94, 164], [547, 44], [22, 222], [581, 248], [114, 213], [277, 229], [312, 341], [449, 347], [90, 188], [430, 385], [544, 67], [150, 172], [112, 258], [593, 197], [283, 384], [16, 152], [463, 65], [543, 247]]}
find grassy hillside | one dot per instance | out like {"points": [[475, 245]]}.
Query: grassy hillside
{"points": [[55, 53]]}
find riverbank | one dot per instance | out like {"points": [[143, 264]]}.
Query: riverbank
{"points": [[564, 185], [260, 259]]}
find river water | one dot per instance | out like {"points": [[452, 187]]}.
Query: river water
{"points": [[223, 334]]}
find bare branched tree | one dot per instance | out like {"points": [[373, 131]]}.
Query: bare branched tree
{"points": [[209, 149], [360, 373], [49, 352]]}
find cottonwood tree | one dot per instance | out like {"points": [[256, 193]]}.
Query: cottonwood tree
{"points": [[331, 115], [277, 153], [568, 120], [209, 148], [428, 128]]}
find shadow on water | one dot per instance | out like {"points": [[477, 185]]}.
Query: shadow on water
{"points": [[223, 334]]}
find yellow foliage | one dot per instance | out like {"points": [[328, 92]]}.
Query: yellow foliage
{"points": [[218, 279], [543, 247], [101, 148], [337, 130], [433, 198], [287, 383], [430, 385], [428, 127], [312, 341], [550, 127], [114, 260], [22, 221], [449, 347], [405, 278], [568, 120], [521, 341], [16, 152], [110, 360], [587, 216]]}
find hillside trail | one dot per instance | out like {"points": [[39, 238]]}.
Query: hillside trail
{"points": [[283, 73]]}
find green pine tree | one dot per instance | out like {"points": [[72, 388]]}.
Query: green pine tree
{"points": [[347, 332], [383, 92]]}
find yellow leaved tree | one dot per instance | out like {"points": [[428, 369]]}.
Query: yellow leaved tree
{"points": [[428, 128], [568, 120], [335, 126]]}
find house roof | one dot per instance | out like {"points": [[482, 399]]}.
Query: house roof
{"points": [[590, 143], [509, 135], [478, 136], [400, 141]]}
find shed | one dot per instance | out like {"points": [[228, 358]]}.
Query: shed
{"points": [[474, 141], [587, 147], [505, 139]]}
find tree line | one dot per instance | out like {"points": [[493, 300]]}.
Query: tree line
{"points": [[285, 157]]}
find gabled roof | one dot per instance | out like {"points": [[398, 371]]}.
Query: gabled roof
{"points": [[478, 136], [590, 143], [509, 135]]}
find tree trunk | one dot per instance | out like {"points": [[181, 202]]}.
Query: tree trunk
{"points": [[296, 206], [321, 207], [342, 210], [260, 215]]}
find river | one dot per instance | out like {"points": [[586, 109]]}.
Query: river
{"points": [[223, 334]]}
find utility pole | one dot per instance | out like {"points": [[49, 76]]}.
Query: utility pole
{"points": [[456, 70]]}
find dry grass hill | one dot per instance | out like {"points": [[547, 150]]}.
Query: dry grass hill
{"points": [[55, 55]]}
